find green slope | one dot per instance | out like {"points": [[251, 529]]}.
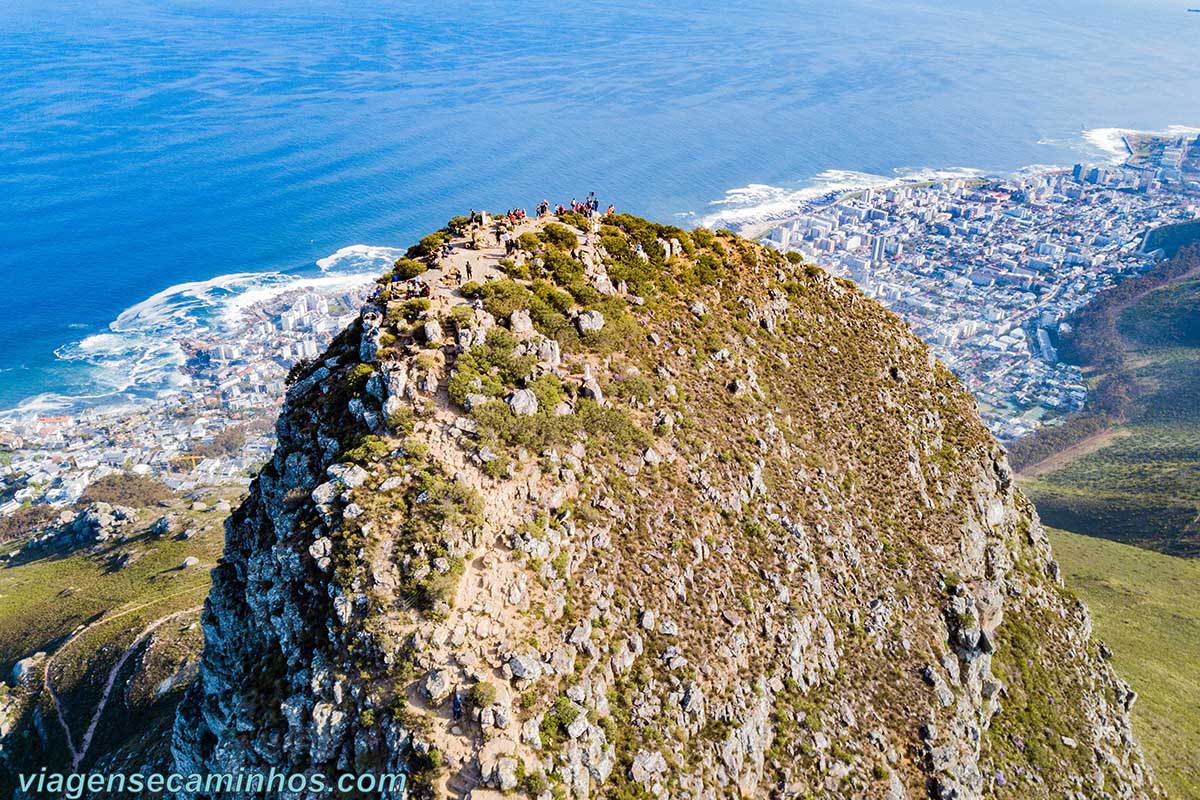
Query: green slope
{"points": [[86, 608], [1146, 607]]}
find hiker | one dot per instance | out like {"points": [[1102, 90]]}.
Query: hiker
{"points": [[470, 272], [456, 707], [612, 209]]}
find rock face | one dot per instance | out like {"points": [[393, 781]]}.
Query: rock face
{"points": [[825, 584]]}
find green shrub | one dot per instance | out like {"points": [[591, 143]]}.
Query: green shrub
{"points": [[366, 450], [497, 468], [535, 784], [429, 245], [564, 268], [574, 218], [406, 268], [300, 370], [401, 421], [482, 695], [490, 368], [708, 269], [558, 719], [501, 298], [559, 236], [548, 390], [512, 269], [409, 311], [529, 242]]}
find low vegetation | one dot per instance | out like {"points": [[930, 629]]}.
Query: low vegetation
{"points": [[1146, 609], [127, 489]]}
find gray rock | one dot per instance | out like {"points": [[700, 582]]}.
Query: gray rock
{"points": [[589, 321], [591, 388], [25, 667], [525, 668], [349, 475], [437, 686], [531, 733], [433, 331], [474, 399], [506, 774], [323, 495], [394, 482], [520, 323], [549, 352], [578, 726], [647, 766], [523, 403], [166, 525], [320, 550]]}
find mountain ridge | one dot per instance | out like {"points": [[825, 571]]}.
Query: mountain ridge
{"points": [[680, 517]]}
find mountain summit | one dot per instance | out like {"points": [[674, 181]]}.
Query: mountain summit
{"points": [[599, 507]]}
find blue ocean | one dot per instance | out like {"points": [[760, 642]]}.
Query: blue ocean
{"points": [[161, 159]]}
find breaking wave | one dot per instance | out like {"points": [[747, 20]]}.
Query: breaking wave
{"points": [[757, 203], [141, 353]]}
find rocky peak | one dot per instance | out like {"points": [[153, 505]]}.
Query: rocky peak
{"points": [[634, 512]]}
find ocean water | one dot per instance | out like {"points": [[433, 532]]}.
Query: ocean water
{"points": [[163, 162]]}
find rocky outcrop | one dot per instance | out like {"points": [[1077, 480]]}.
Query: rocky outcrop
{"points": [[95, 523], [726, 529]]}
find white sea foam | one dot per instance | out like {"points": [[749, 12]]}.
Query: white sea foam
{"points": [[359, 258], [755, 206], [141, 353], [757, 203], [1111, 141]]}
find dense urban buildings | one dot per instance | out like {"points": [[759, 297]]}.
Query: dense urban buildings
{"points": [[987, 270]]}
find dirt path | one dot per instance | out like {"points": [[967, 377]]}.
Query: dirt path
{"points": [[487, 615], [1054, 461], [78, 753], [481, 614]]}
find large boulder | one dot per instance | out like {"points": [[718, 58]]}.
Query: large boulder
{"points": [[589, 321], [523, 403]]}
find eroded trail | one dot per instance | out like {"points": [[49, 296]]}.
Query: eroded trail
{"points": [[79, 752], [77, 755]]}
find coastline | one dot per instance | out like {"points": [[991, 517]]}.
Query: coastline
{"points": [[986, 267], [198, 359], [134, 360]]}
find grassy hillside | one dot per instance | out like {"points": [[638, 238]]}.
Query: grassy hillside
{"points": [[1114, 339], [1141, 485], [1168, 317], [1146, 607], [119, 624], [1173, 237]]}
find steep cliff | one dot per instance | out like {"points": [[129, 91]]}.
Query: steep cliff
{"points": [[676, 516]]}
